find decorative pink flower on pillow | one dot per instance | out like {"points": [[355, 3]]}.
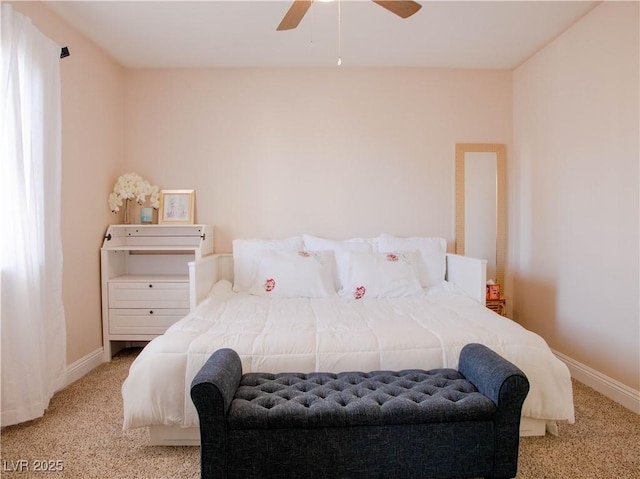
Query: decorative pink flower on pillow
{"points": [[392, 257], [360, 292], [269, 285], [304, 254]]}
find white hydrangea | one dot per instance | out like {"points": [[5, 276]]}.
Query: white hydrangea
{"points": [[132, 186]]}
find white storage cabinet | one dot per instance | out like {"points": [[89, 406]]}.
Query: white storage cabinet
{"points": [[145, 279]]}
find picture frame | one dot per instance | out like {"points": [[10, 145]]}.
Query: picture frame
{"points": [[493, 292], [177, 207]]}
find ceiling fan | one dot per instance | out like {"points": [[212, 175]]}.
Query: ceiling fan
{"points": [[298, 9]]}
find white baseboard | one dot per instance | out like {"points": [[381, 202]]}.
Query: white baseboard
{"points": [[84, 365], [609, 387]]}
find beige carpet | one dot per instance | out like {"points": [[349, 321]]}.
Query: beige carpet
{"points": [[81, 433]]}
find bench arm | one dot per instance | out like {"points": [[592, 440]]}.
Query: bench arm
{"points": [[212, 391], [494, 376], [217, 381], [507, 386]]}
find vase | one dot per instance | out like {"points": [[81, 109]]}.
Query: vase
{"points": [[146, 215], [125, 217]]}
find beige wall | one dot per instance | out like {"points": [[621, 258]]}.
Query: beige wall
{"points": [[92, 95], [574, 192], [334, 151]]}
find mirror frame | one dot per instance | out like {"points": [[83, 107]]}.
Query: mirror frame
{"points": [[501, 201]]}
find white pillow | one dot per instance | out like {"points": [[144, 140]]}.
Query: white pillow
{"points": [[433, 255], [294, 274], [341, 250], [246, 254], [381, 275]]}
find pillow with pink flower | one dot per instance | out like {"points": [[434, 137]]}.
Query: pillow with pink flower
{"points": [[381, 275], [294, 274]]}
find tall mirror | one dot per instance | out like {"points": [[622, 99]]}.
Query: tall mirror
{"points": [[481, 205]]}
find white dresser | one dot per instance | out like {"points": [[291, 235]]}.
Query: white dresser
{"points": [[145, 279]]}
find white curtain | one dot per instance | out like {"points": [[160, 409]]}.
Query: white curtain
{"points": [[32, 324]]}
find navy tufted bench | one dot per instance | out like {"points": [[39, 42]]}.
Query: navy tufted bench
{"points": [[441, 423]]}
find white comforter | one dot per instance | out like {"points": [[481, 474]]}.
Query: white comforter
{"points": [[303, 335]]}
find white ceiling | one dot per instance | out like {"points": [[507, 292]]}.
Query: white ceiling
{"points": [[239, 33]]}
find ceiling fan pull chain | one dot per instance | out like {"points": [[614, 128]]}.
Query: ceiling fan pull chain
{"points": [[313, 23], [339, 32]]}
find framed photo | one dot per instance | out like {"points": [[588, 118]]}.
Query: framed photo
{"points": [[493, 292], [176, 207]]}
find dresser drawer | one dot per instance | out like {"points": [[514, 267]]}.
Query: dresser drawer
{"points": [[148, 295], [143, 321]]}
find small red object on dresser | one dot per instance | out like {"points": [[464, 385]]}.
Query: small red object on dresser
{"points": [[493, 291]]}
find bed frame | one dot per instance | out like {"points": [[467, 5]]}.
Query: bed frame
{"points": [[468, 274]]}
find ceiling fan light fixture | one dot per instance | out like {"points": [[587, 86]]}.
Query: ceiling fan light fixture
{"points": [[297, 10]]}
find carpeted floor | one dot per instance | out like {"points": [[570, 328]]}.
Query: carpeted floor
{"points": [[81, 434]]}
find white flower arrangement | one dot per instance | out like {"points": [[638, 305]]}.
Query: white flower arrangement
{"points": [[132, 186]]}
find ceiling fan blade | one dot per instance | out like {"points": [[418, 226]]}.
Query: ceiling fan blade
{"points": [[401, 8], [295, 14]]}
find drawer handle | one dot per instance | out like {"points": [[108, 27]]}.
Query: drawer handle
{"points": [[150, 312], [151, 286]]}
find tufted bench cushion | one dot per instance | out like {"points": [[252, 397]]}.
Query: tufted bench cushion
{"points": [[436, 424], [294, 400]]}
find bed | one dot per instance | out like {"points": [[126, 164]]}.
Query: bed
{"points": [[313, 304]]}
